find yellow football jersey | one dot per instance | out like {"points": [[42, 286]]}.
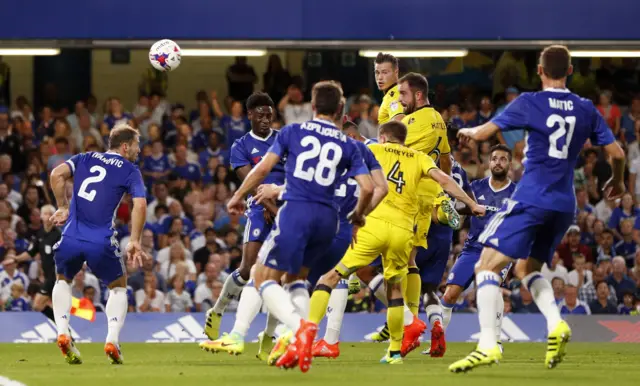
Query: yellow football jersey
{"points": [[390, 106], [427, 133], [404, 169]]}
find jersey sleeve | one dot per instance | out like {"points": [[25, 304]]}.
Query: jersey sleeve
{"points": [[73, 161], [238, 156], [369, 159], [601, 134], [135, 185], [515, 116], [444, 144], [426, 163], [280, 146], [356, 162]]}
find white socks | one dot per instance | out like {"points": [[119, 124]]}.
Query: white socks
{"points": [[272, 323], [248, 308], [542, 293], [299, 297], [408, 316], [379, 290], [230, 290], [447, 310], [61, 299], [116, 311], [486, 298], [499, 313], [279, 304], [335, 312], [434, 313]]}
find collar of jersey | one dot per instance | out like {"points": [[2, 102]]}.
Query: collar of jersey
{"points": [[389, 89], [113, 153], [499, 190], [260, 138], [553, 89], [424, 107], [324, 121]]}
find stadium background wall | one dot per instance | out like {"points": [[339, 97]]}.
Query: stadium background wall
{"points": [[33, 327], [302, 19]]}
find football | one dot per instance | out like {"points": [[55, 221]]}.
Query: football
{"points": [[165, 55]]}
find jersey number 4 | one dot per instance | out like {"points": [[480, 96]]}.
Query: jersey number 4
{"points": [[395, 176], [91, 195], [328, 157], [560, 132]]}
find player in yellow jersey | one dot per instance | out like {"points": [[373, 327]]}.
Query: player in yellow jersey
{"points": [[386, 72], [389, 228]]}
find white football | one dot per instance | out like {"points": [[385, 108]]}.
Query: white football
{"points": [[165, 55]]}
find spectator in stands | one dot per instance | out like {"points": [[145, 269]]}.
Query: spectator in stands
{"points": [[9, 142], [185, 169], [136, 280], [522, 301], [558, 286], [624, 211], [276, 79], [63, 153], [582, 201], [571, 305], [611, 113], [511, 137], [233, 126], [18, 301], [208, 292], [177, 255], [628, 304], [293, 108], [556, 269], [626, 247], [214, 266], [85, 279], [571, 247], [10, 275], [605, 250], [201, 256], [635, 271], [178, 299], [602, 305], [32, 200], [161, 194], [629, 124], [150, 299], [619, 279], [580, 275], [240, 79]]}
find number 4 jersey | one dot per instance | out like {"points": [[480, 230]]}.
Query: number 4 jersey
{"points": [[100, 180], [557, 124]]}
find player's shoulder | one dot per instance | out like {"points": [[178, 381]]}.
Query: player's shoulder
{"points": [[391, 94], [481, 183]]}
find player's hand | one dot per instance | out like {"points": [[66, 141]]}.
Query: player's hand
{"points": [[613, 190], [478, 210], [135, 255], [356, 219], [464, 135], [354, 236], [59, 217], [267, 192], [235, 205]]}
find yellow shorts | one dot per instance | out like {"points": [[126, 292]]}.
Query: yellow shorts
{"points": [[423, 221], [375, 238]]}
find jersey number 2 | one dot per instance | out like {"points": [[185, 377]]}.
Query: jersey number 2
{"points": [[328, 155], [395, 176], [560, 132], [91, 195]]}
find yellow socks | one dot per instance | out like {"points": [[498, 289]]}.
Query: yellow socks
{"points": [[318, 303]]}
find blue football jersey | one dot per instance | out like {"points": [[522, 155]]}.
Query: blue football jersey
{"points": [[189, 171], [459, 175], [153, 164], [348, 189], [317, 153], [249, 150], [557, 125], [100, 180], [492, 201]]}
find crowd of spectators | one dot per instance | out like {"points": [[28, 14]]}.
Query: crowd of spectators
{"points": [[195, 243]]}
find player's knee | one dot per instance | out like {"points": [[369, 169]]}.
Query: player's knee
{"points": [[330, 279], [450, 295], [491, 260], [119, 282]]}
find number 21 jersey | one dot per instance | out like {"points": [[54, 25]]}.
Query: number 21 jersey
{"points": [[557, 125], [100, 180]]}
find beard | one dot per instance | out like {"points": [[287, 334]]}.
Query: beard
{"points": [[499, 174]]}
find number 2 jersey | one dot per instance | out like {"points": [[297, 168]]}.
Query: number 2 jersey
{"points": [[100, 180], [404, 168], [557, 125], [317, 154]]}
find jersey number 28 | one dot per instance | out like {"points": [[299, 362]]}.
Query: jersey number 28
{"points": [[328, 157], [91, 195], [560, 132]]}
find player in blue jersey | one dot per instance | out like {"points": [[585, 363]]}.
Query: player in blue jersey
{"points": [[246, 153], [100, 181], [530, 225], [318, 153], [491, 192]]}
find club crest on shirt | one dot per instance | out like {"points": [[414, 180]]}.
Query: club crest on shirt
{"points": [[393, 105], [411, 120], [256, 232]]}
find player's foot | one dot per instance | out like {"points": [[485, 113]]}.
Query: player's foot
{"points": [[477, 358], [323, 349], [438, 343], [113, 353], [354, 285], [557, 344], [265, 345], [231, 343], [289, 359], [450, 213], [501, 347], [411, 337], [395, 359], [69, 351], [304, 343], [212, 325], [382, 335], [280, 348]]}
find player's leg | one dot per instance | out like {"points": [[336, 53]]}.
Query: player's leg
{"points": [[460, 277], [68, 263], [43, 298], [500, 306], [372, 277]]}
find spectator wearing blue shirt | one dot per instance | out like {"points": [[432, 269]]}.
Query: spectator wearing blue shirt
{"points": [[234, 126], [214, 149], [17, 301], [626, 247], [571, 305], [486, 110], [522, 301], [582, 202], [628, 304], [62, 153], [185, 169], [602, 305], [626, 210], [511, 137], [175, 212], [619, 279], [628, 121], [156, 166], [115, 115]]}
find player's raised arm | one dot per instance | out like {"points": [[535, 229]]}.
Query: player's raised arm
{"points": [[451, 186], [252, 180], [360, 173], [59, 177], [479, 133], [515, 116]]}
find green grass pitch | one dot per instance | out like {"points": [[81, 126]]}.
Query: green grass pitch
{"points": [[185, 364]]}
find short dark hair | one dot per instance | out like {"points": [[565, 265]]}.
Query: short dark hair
{"points": [[602, 282], [62, 140], [347, 125], [609, 231], [122, 134], [501, 147], [555, 61], [258, 99], [386, 58], [417, 82], [396, 129], [326, 97]]}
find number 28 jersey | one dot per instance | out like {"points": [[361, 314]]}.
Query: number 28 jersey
{"points": [[557, 125], [317, 154], [404, 168], [100, 180]]}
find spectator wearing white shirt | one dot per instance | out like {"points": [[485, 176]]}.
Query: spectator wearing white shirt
{"points": [[604, 209], [178, 299], [293, 108], [163, 255], [85, 129], [207, 294], [161, 193], [555, 270], [85, 279], [10, 275], [580, 275], [213, 269], [149, 299], [177, 255]]}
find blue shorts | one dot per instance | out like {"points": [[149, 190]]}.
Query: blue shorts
{"points": [[333, 255], [432, 261], [301, 233], [462, 273], [520, 231], [104, 259], [256, 230]]}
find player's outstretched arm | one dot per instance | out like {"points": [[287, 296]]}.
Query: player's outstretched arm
{"points": [[615, 188], [59, 176], [479, 133], [451, 186], [380, 190], [366, 194], [269, 205], [138, 217], [253, 179], [445, 163]]}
